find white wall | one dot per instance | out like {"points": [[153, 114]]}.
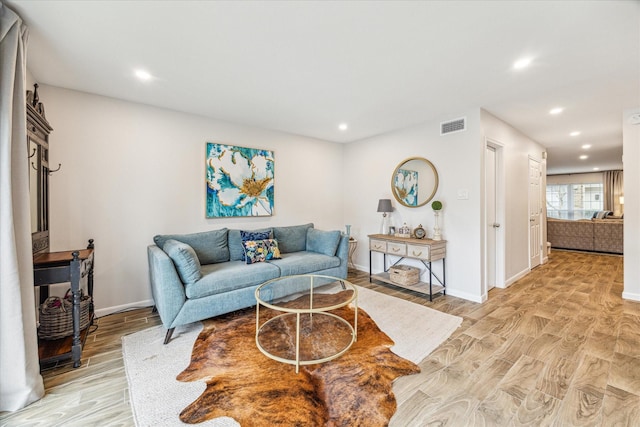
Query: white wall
{"points": [[369, 165], [518, 148], [631, 160], [459, 160], [131, 171]]}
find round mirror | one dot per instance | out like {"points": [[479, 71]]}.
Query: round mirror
{"points": [[414, 182]]}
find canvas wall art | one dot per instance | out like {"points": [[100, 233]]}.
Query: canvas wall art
{"points": [[239, 181], [406, 184]]}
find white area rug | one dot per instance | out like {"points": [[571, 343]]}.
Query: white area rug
{"points": [[157, 398]]}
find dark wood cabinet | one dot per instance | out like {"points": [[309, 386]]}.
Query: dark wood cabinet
{"points": [[74, 267], [38, 130], [49, 268]]}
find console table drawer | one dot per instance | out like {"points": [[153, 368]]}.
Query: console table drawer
{"points": [[378, 245], [399, 249], [418, 251]]}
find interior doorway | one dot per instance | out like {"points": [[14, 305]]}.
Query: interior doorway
{"points": [[494, 216], [535, 213]]}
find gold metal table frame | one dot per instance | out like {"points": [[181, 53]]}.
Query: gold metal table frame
{"points": [[311, 310]]}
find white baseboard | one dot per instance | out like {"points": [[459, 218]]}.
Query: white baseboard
{"points": [[631, 296], [511, 280], [110, 310], [466, 295]]}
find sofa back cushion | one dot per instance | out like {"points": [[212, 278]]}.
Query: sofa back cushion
{"points": [[323, 242], [185, 259], [292, 238], [236, 249], [210, 246]]}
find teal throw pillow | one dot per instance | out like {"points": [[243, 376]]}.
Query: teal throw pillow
{"points": [[323, 242], [261, 250], [185, 260]]}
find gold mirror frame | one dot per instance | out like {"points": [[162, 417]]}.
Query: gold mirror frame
{"points": [[402, 194]]}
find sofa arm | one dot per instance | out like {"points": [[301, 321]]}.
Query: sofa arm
{"points": [[343, 253], [166, 286]]}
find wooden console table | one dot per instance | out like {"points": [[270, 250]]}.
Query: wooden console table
{"points": [[424, 250], [60, 267]]}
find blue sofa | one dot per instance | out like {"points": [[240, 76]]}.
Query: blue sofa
{"points": [[202, 275]]}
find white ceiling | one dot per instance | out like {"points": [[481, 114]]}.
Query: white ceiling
{"points": [[305, 67]]}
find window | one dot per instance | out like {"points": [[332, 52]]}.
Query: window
{"points": [[574, 201]]}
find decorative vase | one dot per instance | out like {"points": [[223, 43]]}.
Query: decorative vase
{"points": [[436, 227], [348, 227]]}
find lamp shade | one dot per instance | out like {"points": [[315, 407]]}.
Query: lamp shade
{"points": [[622, 200], [384, 205]]}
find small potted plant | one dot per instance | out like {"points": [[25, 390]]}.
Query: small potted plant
{"points": [[436, 205]]}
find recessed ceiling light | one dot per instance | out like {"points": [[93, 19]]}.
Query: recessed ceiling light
{"points": [[143, 75], [586, 146], [556, 110], [522, 63], [343, 126], [575, 133], [583, 157], [596, 169]]}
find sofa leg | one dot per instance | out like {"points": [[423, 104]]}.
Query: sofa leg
{"points": [[154, 309], [167, 337], [344, 287]]}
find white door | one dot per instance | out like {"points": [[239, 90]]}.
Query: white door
{"points": [[535, 209], [491, 211]]}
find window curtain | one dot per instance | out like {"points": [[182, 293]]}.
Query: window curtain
{"points": [[613, 188], [20, 379]]}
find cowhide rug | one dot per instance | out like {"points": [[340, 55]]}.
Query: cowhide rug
{"points": [[242, 383]]}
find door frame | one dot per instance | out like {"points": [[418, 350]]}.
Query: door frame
{"points": [[498, 147]]}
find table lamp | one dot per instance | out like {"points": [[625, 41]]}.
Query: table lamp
{"points": [[384, 206]]}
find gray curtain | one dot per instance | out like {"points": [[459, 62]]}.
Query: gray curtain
{"points": [[20, 379], [613, 188]]}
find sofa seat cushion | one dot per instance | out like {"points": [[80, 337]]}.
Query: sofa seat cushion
{"points": [[229, 276], [304, 262], [210, 246]]}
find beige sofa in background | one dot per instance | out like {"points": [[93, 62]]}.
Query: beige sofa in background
{"points": [[599, 235]]}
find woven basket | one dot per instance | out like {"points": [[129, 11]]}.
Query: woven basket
{"points": [[56, 320], [404, 275]]}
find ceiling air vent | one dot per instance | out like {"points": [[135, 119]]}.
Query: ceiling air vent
{"points": [[457, 125]]}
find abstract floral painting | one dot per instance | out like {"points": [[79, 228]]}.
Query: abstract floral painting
{"points": [[406, 186], [239, 181]]}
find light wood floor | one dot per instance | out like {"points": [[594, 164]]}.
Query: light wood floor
{"points": [[559, 347]]}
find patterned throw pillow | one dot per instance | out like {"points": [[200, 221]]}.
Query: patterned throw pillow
{"points": [[261, 250], [253, 235]]}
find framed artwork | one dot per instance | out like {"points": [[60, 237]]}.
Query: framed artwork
{"points": [[406, 186], [239, 181]]}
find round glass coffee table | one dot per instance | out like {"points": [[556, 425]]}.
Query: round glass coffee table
{"points": [[307, 327]]}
